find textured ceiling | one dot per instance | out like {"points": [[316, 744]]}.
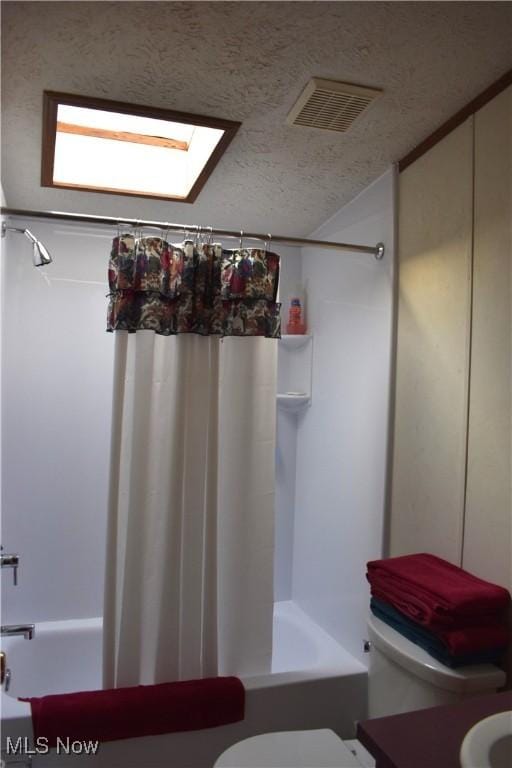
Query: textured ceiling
{"points": [[248, 61]]}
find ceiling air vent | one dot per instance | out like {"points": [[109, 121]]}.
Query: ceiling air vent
{"points": [[330, 105]]}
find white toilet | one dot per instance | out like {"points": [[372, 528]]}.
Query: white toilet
{"points": [[402, 677]]}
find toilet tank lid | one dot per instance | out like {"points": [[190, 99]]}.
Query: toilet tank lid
{"points": [[471, 679]]}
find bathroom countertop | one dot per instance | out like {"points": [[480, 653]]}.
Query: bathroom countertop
{"points": [[428, 737]]}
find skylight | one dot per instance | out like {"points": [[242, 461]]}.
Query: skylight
{"points": [[118, 148]]}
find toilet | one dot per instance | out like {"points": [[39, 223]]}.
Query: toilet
{"points": [[402, 677]]}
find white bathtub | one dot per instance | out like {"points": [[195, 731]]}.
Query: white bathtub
{"points": [[314, 684]]}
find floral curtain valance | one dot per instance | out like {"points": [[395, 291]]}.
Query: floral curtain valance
{"points": [[201, 289]]}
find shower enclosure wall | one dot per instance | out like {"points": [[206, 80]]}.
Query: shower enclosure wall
{"points": [[330, 457], [56, 419], [57, 371]]}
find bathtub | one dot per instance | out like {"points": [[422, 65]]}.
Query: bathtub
{"points": [[314, 683]]}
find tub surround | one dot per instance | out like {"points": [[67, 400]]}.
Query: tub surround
{"points": [[286, 446], [329, 502], [59, 531], [342, 437]]}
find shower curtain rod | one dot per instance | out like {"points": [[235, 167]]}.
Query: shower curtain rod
{"points": [[377, 250]]}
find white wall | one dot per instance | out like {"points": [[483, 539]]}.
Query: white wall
{"points": [[487, 547], [451, 491], [57, 378], [57, 392], [343, 437], [433, 337]]}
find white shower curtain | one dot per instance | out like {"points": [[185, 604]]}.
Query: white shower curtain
{"points": [[189, 580]]}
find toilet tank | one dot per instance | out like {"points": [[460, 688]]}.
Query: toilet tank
{"points": [[403, 677]]}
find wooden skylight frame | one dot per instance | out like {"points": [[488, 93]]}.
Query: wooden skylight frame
{"points": [[51, 125]]}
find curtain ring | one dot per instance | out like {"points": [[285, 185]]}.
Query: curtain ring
{"points": [[137, 236], [118, 238]]}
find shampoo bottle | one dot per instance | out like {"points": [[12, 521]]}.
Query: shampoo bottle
{"points": [[296, 324]]}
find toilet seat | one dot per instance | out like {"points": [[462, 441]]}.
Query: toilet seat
{"points": [[289, 749]]}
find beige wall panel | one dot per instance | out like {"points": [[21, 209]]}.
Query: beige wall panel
{"points": [[488, 530], [435, 228]]}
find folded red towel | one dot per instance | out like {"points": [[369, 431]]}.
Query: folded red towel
{"points": [[460, 634], [467, 640], [434, 592], [464, 642], [144, 710]]}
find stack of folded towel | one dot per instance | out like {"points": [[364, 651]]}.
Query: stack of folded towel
{"points": [[455, 616]]}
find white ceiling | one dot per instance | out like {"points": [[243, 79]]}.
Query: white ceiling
{"points": [[248, 61]]}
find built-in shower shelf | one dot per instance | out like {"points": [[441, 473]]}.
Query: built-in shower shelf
{"points": [[292, 402], [294, 341], [294, 371]]}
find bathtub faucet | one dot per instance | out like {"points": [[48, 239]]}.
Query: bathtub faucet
{"points": [[27, 630]]}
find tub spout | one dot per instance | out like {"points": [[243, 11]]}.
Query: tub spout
{"points": [[27, 630]]}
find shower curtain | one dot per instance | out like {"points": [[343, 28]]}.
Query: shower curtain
{"points": [[189, 577]]}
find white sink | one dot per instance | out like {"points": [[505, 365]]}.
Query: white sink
{"points": [[488, 744]]}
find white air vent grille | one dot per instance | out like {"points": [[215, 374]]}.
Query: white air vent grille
{"points": [[330, 105]]}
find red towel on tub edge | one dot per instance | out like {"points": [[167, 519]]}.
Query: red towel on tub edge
{"points": [[434, 592], [143, 710]]}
